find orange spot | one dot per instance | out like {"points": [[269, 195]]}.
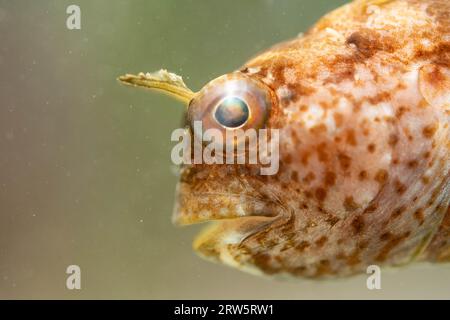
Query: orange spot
{"points": [[330, 178], [350, 204], [381, 176], [429, 130], [321, 194]]}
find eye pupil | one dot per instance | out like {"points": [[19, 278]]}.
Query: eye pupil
{"points": [[232, 112]]}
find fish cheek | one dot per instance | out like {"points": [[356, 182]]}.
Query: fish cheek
{"points": [[341, 170]]}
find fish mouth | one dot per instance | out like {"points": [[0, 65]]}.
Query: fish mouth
{"points": [[230, 219], [234, 207]]}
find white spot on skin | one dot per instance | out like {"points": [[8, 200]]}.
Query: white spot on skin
{"points": [[283, 92], [381, 110], [412, 77], [426, 43], [336, 35], [386, 109], [232, 238], [365, 196], [253, 70], [314, 116], [269, 78], [330, 123], [428, 173], [386, 159], [239, 210]]}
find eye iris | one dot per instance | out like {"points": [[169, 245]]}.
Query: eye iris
{"points": [[232, 112]]}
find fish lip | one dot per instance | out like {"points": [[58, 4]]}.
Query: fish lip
{"points": [[184, 215]]}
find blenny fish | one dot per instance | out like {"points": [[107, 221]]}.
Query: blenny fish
{"points": [[362, 104]]}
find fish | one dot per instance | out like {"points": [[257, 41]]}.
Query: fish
{"points": [[362, 104]]}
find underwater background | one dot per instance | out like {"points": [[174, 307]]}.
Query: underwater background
{"points": [[85, 170]]}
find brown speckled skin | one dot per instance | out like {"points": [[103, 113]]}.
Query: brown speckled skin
{"points": [[363, 108]]}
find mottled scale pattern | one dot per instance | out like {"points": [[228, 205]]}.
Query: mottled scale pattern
{"points": [[363, 111]]}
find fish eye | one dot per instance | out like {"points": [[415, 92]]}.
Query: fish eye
{"points": [[232, 112], [231, 102]]}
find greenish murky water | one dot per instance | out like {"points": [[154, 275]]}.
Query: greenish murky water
{"points": [[85, 170]]}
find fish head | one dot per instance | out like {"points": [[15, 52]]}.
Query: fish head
{"points": [[358, 109]]}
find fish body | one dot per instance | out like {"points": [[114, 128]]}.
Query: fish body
{"points": [[362, 104]]}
